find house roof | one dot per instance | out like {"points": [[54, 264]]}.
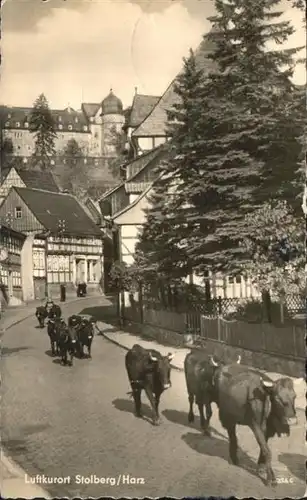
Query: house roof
{"points": [[137, 165], [36, 179], [155, 123], [49, 208], [135, 202], [9, 230], [142, 105]]}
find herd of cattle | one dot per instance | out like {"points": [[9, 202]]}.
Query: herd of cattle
{"points": [[67, 340], [243, 395]]}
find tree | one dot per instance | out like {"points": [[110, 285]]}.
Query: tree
{"points": [[7, 151], [42, 126], [117, 140], [73, 172], [275, 249], [161, 247]]}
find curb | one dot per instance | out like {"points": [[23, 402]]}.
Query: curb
{"points": [[115, 342], [18, 473]]}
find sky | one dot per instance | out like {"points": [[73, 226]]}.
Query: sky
{"points": [[76, 50]]}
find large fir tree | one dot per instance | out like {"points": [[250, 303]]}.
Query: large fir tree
{"points": [[234, 141], [161, 250], [42, 126]]}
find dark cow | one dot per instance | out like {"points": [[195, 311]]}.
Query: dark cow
{"points": [[199, 369], [247, 397], [41, 314], [67, 341], [85, 335], [147, 369], [84, 327], [52, 330], [54, 311]]}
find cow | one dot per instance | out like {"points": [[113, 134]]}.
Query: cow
{"points": [[53, 310], [199, 369], [85, 335], [247, 397], [67, 341], [147, 369], [41, 314], [52, 331]]}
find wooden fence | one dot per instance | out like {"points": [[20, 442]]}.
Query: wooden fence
{"points": [[259, 337]]}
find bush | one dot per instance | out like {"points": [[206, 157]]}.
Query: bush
{"points": [[253, 311]]}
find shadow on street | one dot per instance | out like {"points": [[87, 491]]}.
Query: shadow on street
{"points": [[127, 405], [296, 464], [181, 418], [214, 447], [7, 351]]}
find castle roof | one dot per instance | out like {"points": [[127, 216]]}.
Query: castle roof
{"points": [[64, 119], [111, 105]]}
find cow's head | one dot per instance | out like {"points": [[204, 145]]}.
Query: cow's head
{"points": [[282, 397], [162, 365]]}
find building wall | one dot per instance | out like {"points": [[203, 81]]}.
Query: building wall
{"points": [[111, 126], [27, 269], [11, 269], [27, 222]]}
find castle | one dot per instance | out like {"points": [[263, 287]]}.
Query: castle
{"points": [[94, 127]]}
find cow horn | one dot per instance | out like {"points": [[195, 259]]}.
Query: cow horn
{"points": [[239, 359], [214, 362], [153, 358], [170, 356], [267, 383]]}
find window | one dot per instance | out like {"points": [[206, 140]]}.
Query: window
{"points": [[52, 162], [26, 125], [238, 278], [69, 127], [25, 160], [17, 124], [76, 120], [60, 127], [92, 119], [85, 161], [85, 128], [60, 118], [96, 135], [7, 124], [18, 213], [9, 115]]}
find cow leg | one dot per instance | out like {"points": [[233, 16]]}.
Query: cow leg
{"points": [[208, 415], [265, 457], [157, 401], [233, 444], [204, 423], [89, 350], [136, 392], [71, 356], [151, 398], [52, 348], [191, 414]]}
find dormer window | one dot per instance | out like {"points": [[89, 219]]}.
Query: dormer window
{"points": [[60, 127], [26, 125], [85, 128], [17, 124], [76, 119], [60, 118], [69, 127]]}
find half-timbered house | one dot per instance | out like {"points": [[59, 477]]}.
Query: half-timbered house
{"points": [[11, 244], [66, 242]]}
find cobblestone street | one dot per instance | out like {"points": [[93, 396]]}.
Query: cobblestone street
{"points": [[69, 421]]}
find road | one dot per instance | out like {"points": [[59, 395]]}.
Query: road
{"points": [[68, 421]]}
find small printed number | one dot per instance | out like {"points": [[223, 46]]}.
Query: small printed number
{"points": [[284, 480]]}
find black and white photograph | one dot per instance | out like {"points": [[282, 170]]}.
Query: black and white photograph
{"points": [[153, 203]]}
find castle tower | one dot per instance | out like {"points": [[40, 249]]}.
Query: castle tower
{"points": [[112, 123]]}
